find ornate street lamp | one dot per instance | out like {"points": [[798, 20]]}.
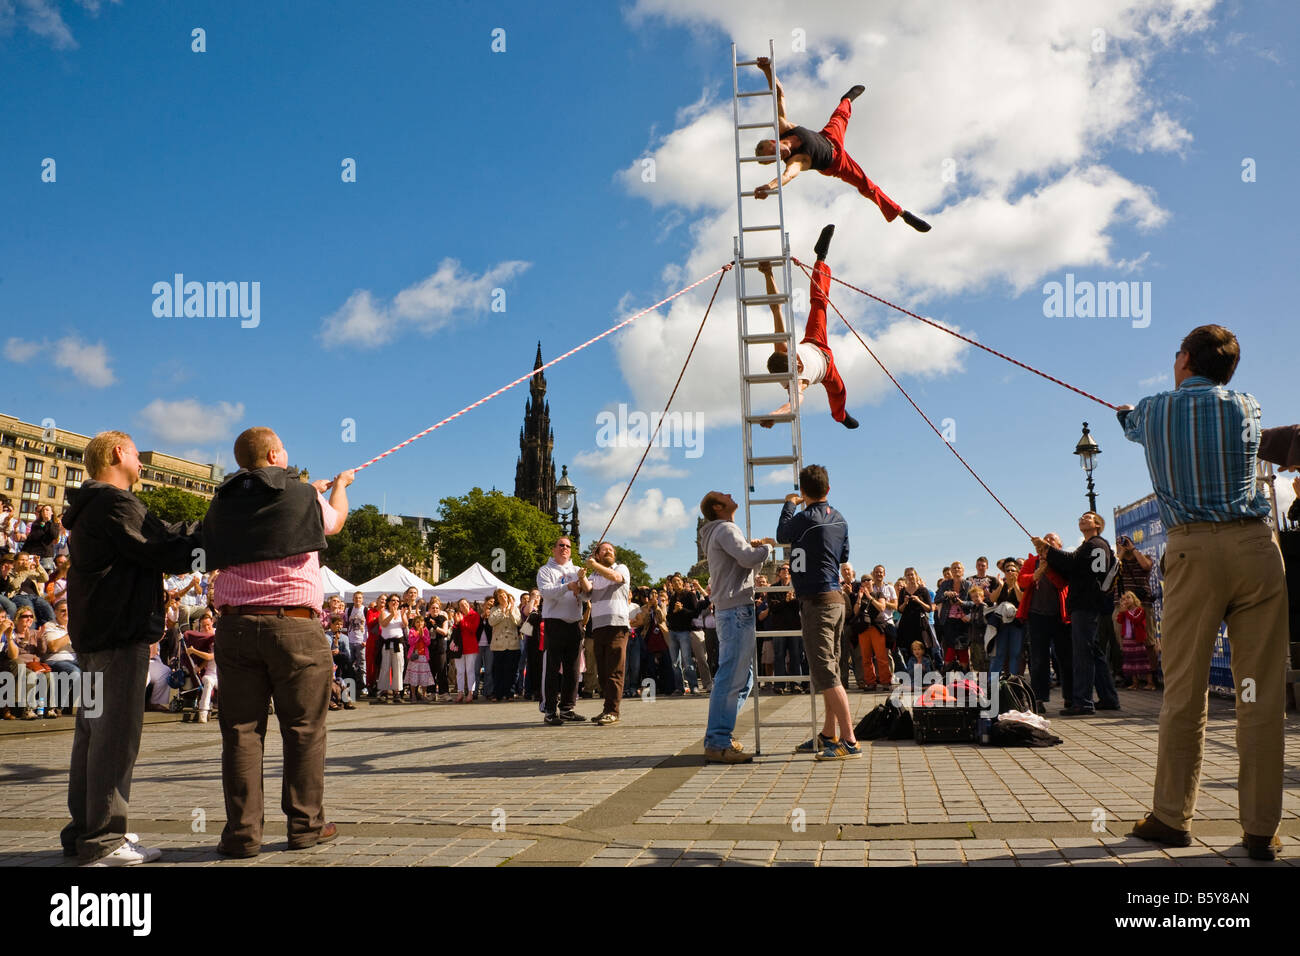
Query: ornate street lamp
{"points": [[1088, 450], [566, 503]]}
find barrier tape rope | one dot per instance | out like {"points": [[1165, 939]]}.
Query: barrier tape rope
{"points": [[970, 341], [660, 423], [561, 358], [918, 408]]}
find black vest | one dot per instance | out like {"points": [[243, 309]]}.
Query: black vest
{"points": [[261, 515], [817, 146]]}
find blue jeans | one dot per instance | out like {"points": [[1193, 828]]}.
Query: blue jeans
{"points": [[487, 686], [1006, 648], [1090, 665], [632, 667], [679, 647], [791, 647], [37, 605], [735, 677]]}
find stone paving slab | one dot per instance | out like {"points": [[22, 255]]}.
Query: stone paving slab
{"points": [[488, 785]]}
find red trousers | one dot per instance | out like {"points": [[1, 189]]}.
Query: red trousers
{"points": [[951, 654], [815, 334], [844, 168]]}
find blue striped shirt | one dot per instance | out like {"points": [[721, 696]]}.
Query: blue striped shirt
{"points": [[1201, 442]]}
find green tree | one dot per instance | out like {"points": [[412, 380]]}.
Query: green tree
{"points": [[369, 545], [635, 566], [174, 504], [509, 537]]}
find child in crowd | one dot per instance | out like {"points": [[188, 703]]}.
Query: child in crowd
{"points": [[918, 661], [1133, 630], [340, 694], [418, 673]]}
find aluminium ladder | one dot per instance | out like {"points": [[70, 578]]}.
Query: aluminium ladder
{"points": [[747, 259]]}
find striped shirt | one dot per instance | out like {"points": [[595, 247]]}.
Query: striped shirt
{"points": [[609, 601], [284, 582], [1201, 443]]}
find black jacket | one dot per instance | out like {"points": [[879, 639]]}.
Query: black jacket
{"points": [[118, 553], [1085, 568], [41, 539], [261, 515]]}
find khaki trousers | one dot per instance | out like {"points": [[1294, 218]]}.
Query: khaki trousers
{"points": [[1216, 571]]}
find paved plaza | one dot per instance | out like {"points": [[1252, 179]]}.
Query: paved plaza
{"points": [[488, 785]]}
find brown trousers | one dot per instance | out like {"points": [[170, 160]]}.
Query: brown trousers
{"points": [[1214, 572], [264, 657], [611, 655]]}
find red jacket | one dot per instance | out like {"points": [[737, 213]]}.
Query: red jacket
{"points": [[1027, 585], [1139, 618]]}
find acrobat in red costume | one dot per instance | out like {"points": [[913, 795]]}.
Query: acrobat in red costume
{"points": [[802, 148], [813, 356]]}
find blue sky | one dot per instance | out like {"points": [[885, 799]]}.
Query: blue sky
{"points": [[523, 169]]}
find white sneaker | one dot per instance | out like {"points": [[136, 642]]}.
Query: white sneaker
{"points": [[129, 853], [203, 716]]}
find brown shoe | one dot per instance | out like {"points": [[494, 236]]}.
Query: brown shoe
{"points": [[1157, 832], [726, 756], [328, 832], [1261, 847], [238, 853]]}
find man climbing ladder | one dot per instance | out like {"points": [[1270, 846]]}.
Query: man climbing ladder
{"points": [[813, 354], [802, 148]]}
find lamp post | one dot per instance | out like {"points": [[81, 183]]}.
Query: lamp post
{"points": [[566, 503], [1088, 450]]}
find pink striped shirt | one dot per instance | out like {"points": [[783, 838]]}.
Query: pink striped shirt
{"points": [[285, 582]]}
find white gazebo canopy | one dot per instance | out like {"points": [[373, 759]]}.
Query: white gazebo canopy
{"points": [[333, 585], [473, 584], [394, 581]]}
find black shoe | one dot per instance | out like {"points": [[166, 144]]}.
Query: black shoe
{"points": [[1077, 712], [854, 93], [920, 225], [571, 716], [824, 242], [1107, 707], [553, 720], [849, 421]]}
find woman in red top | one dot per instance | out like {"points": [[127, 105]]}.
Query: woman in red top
{"points": [[373, 639], [466, 638]]}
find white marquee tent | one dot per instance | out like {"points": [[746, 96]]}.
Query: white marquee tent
{"points": [[473, 584], [394, 581], [335, 585]]}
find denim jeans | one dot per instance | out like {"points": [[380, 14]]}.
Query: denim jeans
{"points": [[1045, 633], [735, 677], [683, 657], [632, 668], [487, 685], [1006, 648], [1090, 665], [787, 649], [37, 605]]}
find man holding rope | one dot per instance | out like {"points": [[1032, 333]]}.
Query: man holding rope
{"points": [[801, 148], [1202, 441], [813, 354]]}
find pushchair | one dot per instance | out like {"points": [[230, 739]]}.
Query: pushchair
{"points": [[185, 679]]}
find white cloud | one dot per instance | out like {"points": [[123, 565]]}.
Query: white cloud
{"points": [[426, 306], [188, 422], [89, 364], [651, 521], [619, 461], [1161, 379], [44, 18]]}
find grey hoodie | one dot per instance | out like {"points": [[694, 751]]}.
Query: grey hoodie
{"points": [[731, 563]]}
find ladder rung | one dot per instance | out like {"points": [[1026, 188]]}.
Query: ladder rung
{"points": [[754, 93], [755, 419], [758, 159], [766, 338], [779, 634], [755, 260], [765, 299], [768, 125], [761, 228], [746, 63], [774, 588], [766, 501], [773, 460], [765, 378]]}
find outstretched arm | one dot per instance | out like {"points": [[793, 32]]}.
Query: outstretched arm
{"points": [[784, 124], [793, 167], [766, 269], [785, 409]]}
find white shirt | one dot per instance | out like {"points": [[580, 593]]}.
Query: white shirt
{"points": [[814, 362], [609, 599], [561, 603]]}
